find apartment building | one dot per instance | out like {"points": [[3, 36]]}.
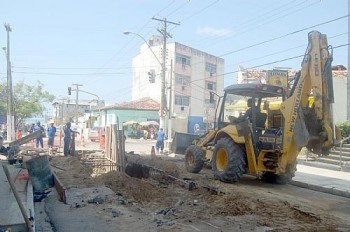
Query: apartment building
{"points": [[190, 77]]}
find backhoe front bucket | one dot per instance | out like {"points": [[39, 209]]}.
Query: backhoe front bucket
{"points": [[181, 142]]}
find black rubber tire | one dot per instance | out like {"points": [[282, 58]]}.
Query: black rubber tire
{"points": [[276, 179], [236, 161], [194, 159]]}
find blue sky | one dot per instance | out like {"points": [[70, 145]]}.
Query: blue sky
{"points": [[60, 43]]}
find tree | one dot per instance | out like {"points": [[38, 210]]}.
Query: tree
{"points": [[29, 101]]}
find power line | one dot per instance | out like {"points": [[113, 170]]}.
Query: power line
{"points": [[236, 71], [282, 60], [81, 68], [269, 63], [260, 18], [181, 6], [282, 51], [283, 36], [200, 11], [69, 74], [245, 30]]}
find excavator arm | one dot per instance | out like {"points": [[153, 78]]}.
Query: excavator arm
{"points": [[308, 110]]}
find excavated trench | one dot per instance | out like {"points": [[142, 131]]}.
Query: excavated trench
{"points": [[137, 170]]}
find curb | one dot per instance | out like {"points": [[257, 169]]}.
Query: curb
{"points": [[316, 164], [328, 190]]}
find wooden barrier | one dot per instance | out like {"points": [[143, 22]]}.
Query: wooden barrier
{"points": [[115, 146]]}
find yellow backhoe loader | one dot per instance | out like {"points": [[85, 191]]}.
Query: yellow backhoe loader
{"points": [[267, 138]]}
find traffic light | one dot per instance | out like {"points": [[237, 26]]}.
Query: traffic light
{"points": [[211, 98], [151, 76], [69, 90]]}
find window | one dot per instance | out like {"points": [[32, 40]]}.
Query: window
{"points": [[182, 79], [210, 67], [182, 59], [182, 100], [210, 85]]}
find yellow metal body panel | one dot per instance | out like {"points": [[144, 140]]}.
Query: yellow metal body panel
{"points": [[231, 131]]}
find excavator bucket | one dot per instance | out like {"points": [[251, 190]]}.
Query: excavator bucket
{"points": [[181, 141]]}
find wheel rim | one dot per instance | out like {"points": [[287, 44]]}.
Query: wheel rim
{"points": [[221, 159]]}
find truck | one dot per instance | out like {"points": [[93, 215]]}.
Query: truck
{"points": [[266, 139]]}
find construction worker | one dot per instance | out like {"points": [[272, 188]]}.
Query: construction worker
{"points": [[160, 140], [51, 132], [39, 140], [68, 132]]}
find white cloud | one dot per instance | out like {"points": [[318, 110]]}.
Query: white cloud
{"points": [[214, 32]]}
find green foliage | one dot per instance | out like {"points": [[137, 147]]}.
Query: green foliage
{"points": [[344, 128], [28, 100]]}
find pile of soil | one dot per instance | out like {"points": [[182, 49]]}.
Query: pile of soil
{"points": [[71, 172], [139, 190]]}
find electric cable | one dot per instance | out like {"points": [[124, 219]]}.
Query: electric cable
{"points": [[262, 23], [283, 36]]}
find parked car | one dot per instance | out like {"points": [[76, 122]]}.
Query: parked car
{"points": [[93, 134]]}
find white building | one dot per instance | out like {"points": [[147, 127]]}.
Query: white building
{"points": [[65, 110], [191, 75]]}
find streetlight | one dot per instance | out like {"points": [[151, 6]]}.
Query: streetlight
{"points": [[162, 64]]}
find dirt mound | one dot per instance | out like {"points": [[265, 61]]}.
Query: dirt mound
{"points": [[270, 212], [71, 172], [135, 189]]}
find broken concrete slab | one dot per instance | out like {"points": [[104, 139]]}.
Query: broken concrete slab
{"points": [[10, 213], [81, 196]]}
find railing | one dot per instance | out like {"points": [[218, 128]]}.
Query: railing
{"points": [[341, 152]]}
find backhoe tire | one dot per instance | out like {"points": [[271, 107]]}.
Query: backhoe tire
{"points": [[229, 161], [272, 178], [194, 159]]}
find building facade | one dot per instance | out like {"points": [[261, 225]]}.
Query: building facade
{"points": [[190, 77], [66, 110], [142, 110]]}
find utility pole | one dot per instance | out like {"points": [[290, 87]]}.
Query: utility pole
{"points": [[165, 34], [10, 110], [171, 105], [76, 102], [348, 77]]}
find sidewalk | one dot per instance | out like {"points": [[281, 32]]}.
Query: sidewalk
{"points": [[323, 180]]}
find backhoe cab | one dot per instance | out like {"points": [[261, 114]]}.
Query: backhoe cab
{"points": [[262, 128]]}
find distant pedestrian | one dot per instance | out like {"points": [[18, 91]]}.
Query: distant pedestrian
{"points": [[51, 132], [151, 131], [160, 140], [145, 134], [39, 140], [31, 129], [19, 134]]}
